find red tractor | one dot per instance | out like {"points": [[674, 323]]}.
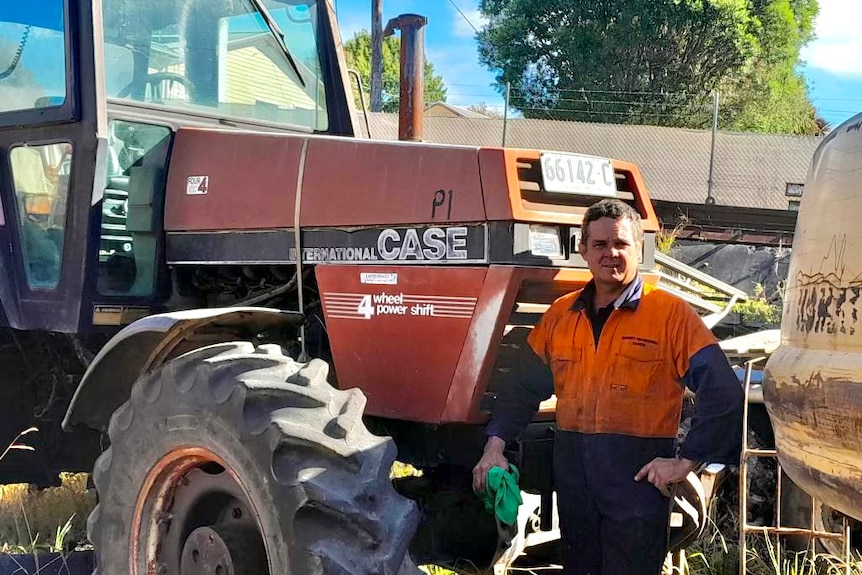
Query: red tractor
{"points": [[242, 309]]}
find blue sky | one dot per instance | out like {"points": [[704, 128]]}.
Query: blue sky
{"points": [[833, 62]]}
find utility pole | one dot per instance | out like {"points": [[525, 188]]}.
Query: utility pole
{"points": [[376, 55]]}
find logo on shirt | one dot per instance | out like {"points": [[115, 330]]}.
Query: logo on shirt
{"points": [[640, 341]]}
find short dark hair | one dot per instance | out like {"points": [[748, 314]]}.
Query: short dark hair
{"points": [[616, 210]]}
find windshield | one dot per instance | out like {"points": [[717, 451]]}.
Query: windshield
{"points": [[32, 55], [217, 57]]}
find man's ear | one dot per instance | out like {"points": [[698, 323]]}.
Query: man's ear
{"points": [[582, 249]]}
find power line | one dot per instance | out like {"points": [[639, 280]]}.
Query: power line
{"points": [[631, 103], [550, 111], [470, 85], [834, 100], [452, 2], [585, 91], [482, 95], [630, 92]]}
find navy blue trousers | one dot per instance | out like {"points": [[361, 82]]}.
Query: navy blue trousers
{"points": [[610, 524]]}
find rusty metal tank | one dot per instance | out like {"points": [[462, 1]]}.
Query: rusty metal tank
{"points": [[813, 382]]}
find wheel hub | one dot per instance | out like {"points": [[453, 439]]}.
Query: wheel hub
{"points": [[205, 553], [196, 519], [223, 549]]}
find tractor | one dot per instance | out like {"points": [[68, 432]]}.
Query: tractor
{"points": [[237, 311]]}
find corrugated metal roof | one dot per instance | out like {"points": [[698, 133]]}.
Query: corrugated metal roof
{"points": [[750, 170]]}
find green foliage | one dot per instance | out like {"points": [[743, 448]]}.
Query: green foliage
{"points": [[435, 570], [770, 95], [666, 238], [759, 309], [653, 61], [357, 52]]}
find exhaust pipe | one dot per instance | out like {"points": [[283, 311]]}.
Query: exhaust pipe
{"points": [[411, 103]]}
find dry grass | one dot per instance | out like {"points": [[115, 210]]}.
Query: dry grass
{"points": [[30, 518]]}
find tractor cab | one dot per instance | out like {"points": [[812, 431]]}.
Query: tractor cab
{"points": [[93, 93]]}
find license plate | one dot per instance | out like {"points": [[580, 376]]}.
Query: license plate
{"points": [[576, 174]]}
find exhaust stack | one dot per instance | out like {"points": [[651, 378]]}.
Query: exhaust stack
{"points": [[412, 82]]}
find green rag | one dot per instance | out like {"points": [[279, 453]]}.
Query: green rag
{"points": [[501, 495]]}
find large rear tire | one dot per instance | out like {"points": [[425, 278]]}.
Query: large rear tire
{"points": [[233, 459]]}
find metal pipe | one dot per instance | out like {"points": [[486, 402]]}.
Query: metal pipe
{"points": [[710, 200], [355, 74], [412, 92], [743, 475]]}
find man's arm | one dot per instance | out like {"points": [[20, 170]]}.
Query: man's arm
{"points": [[528, 384], [716, 428], [716, 432]]}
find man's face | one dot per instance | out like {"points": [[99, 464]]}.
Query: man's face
{"points": [[612, 252]]}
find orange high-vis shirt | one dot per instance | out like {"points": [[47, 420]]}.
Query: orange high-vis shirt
{"points": [[631, 384]]}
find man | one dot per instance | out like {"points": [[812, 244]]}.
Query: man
{"points": [[618, 354]]}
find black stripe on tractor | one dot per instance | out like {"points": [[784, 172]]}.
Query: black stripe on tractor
{"points": [[445, 244], [511, 244]]}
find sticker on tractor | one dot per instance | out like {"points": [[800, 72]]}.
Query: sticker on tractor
{"points": [[197, 185], [368, 306], [379, 278], [118, 314]]}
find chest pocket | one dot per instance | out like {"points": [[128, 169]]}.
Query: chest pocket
{"points": [[635, 369], [566, 364]]}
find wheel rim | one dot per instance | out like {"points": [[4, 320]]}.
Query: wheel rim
{"points": [[829, 520], [194, 517]]}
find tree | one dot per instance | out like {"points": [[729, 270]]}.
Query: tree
{"points": [[653, 61], [772, 96], [357, 52], [485, 110]]}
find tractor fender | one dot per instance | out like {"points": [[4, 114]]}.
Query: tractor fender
{"points": [[147, 343]]}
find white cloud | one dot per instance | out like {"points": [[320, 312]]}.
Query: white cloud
{"points": [[838, 47], [461, 24]]}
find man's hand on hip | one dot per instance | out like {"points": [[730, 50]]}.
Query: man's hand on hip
{"points": [[492, 456], [663, 472]]}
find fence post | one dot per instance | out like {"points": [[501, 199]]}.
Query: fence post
{"points": [[710, 201]]}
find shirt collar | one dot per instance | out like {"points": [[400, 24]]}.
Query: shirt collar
{"points": [[628, 299]]}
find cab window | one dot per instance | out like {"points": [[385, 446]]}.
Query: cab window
{"points": [[137, 156], [218, 58], [40, 175], [32, 55]]}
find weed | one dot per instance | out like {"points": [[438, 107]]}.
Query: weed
{"points": [[665, 238], [53, 517], [21, 497], [758, 309], [19, 446]]}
